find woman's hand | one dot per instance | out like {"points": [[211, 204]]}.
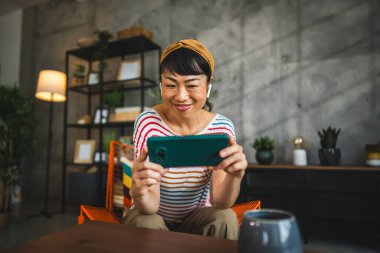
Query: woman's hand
{"points": [[145, 175], [234, 162], [227, 176]]}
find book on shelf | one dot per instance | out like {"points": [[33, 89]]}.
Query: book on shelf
{"points": [[129, 113]]}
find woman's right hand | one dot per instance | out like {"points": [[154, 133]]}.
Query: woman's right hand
{"points": [[145, 175]]}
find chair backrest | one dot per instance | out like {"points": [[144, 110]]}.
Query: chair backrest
{"points": [[240, 209], [117, 151]]}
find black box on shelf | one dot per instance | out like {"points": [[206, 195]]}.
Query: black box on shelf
{"points": [[83, 188]]}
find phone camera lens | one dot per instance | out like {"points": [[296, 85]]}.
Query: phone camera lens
{"points": [[161, 154]]}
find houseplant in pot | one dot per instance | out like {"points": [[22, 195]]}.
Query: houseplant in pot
{"points": [[264, 149], [328, 153], [17, 138], [101, 51]]}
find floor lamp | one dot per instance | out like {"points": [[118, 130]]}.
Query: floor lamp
{"points": [[51, 87]]}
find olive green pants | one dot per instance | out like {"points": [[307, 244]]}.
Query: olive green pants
{"points": [[207, 221]]}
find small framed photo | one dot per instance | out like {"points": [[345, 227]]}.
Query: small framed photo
{"points": [[84, 151], [101, 116], [78, 76], [93, 78], [129, 69]]}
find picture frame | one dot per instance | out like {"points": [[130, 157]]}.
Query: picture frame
{"points": [[129, 69], [93, 78], [78, 76], [101, 116], [84, 151]]}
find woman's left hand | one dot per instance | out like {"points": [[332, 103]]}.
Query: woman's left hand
{"points": [[234, 161]]}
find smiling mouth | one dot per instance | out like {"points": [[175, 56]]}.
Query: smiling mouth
{"points": [[182, 107]]}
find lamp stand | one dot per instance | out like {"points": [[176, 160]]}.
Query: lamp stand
{"points": [[45, 212]]}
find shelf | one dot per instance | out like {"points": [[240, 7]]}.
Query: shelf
{"points": [[93, 97], [111, 86], [108, 125], [85, 164], [118, 47]]}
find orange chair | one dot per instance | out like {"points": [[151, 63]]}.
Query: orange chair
{"points": [[240, 209], [107, 214]]}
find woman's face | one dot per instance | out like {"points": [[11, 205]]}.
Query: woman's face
{"points": [[184, 95]]}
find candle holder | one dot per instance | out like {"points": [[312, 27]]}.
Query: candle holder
{"points": [[299, 154]]}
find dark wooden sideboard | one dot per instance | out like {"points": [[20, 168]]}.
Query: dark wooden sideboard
{"points": [[344, 199]]}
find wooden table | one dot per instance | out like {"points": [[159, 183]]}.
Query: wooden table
{"points": [[98, 237]]}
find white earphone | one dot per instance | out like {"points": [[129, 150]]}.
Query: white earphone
{"points": [[161, 89], [209, 90]]}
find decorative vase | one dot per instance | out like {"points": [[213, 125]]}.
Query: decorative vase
{"points": [[269, 230], [329, 156], [264, 156]]}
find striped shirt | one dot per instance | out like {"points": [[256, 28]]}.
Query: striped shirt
{"points": [[182, 190]]}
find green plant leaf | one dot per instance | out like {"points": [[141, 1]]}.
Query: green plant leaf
{"points": [[17, 129], [329, 137], [263, 143]]}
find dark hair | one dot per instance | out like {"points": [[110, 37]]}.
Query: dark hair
{"points": [[185, 61]]}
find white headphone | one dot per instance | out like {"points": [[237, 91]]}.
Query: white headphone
{"points": [[209, 90], [161, 89]]}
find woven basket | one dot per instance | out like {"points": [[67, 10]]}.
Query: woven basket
{"points": [[133, 32]]}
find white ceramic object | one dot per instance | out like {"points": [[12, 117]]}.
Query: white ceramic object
{"points": [[299, 157], [373, 162]]}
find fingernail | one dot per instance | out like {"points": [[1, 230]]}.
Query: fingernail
{"points": [[222, 154]]}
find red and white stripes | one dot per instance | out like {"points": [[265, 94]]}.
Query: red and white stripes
{"points": [[182, 190]]}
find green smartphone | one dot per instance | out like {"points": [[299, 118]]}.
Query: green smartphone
{"points": [[190, 150]]}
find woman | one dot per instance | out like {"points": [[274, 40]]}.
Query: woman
{"points": [[194, 199]]}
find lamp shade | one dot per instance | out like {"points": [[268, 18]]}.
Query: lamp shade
{"points": [[51, 86]]}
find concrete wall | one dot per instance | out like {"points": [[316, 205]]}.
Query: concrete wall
{"points": [[283, 68], [10, 47]]}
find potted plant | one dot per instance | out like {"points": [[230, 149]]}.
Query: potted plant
{"points": [[101, 51], [113, 99], [264, 149], [17, 138], [328, 153]]}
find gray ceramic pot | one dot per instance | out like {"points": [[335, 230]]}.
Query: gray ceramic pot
{"points": [[269, 231]]}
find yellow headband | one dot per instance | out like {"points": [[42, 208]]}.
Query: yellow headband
{"points": [[194, 45]]}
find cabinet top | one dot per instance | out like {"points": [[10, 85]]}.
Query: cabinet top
{"points": [[254, 166], [116, 48]]}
